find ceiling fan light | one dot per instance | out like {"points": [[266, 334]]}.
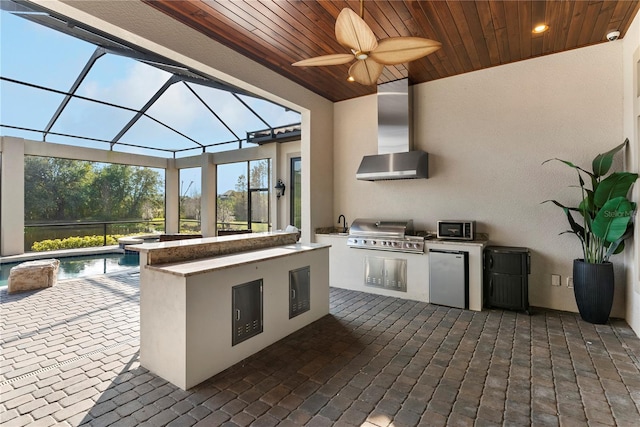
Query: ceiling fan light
{"points": [[351, 79], [361, 56], [540, 28]]}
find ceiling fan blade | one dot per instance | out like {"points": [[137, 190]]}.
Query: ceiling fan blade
{"points": [[397, 50], [354, 33], [335, 59], [366, 72]]}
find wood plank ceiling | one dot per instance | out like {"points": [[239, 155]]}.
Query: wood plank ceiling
{"points": [[474, 34]]}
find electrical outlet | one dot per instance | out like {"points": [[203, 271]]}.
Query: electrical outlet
{"points": [[555, 280], [569, 282]]}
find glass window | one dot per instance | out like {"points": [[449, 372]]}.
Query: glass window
{"points": [[235, 145], [27, 107], [122, 81], [179, 108], [295, 192], [146, 132], [259, 191], [243, 204], [273, 114], [36, 54], [232, 199], [80, 117], [230, 110], [190, 195]]}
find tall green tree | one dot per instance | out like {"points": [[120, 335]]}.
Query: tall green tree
{"points": [[121, 192], [259, 174], [240, 199], [225, 211], [55, 189], [65, 190]]}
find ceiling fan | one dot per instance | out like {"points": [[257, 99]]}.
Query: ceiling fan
{"points": [[371, 56]]}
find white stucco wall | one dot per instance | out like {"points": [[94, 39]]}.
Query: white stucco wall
{"points": [[487, 134], [631, 61], [12, 196]]}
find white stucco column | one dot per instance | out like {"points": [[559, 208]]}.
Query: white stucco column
{"points": [[12, 196], [172, 197], [208, 196], [317, 171]]}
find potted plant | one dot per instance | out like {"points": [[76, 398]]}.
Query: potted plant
{"points": [[604, 220]]}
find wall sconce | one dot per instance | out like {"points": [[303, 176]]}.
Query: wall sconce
{"points": [[280, 187]]}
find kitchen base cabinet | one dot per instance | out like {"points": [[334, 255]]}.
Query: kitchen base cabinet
{"points": [[506, 279], [347, 268], [200, 317]]}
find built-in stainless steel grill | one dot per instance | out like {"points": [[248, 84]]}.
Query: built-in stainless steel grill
{"points": [[384, 235]]}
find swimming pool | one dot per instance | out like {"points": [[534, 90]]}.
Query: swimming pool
{"points": [[85, 265]]}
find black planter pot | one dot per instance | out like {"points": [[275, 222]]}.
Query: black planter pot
{"points": [[593, 288]]}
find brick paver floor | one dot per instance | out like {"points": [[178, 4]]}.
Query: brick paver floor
{"points": [[70, 357]]}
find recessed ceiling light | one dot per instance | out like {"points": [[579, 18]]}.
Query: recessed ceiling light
{"points": [[540, 28]]}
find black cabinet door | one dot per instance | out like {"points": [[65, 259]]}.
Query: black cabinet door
{"points": [[247, 309], [504, 262], [506, 291]]}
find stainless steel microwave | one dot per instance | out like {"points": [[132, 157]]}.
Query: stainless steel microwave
{"points": [[457, 230]]}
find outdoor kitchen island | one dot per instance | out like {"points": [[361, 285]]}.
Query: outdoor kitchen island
{"points": [[207, 304]]}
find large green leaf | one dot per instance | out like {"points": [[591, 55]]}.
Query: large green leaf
{"points": [[576, 228], [568, 163], [615, 185], [602, 163], [611, 221]]}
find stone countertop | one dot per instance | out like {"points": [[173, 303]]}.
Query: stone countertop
{"points": [[206, 265], [207, 247], [476, 242]]}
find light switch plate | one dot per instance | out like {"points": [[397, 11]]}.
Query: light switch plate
{"points": [[569, 282], [555, 280]]}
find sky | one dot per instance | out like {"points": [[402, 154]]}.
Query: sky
{"points": [[36, 54]]}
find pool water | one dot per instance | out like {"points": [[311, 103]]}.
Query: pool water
{"points": [[86, 265]]}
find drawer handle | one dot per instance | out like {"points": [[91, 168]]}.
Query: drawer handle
{"points": [[293, 294], [490, 261], [237, 314], [491, 287]]}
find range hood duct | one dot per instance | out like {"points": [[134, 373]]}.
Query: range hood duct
{"points": [[395, 159]]}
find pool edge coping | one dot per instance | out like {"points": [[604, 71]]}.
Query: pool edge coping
{"points": [[63, 253]]}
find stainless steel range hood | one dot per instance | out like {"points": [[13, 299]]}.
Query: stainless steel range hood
{"points": [[394, 160]]}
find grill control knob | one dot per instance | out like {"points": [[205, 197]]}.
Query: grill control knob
{"points": [[373, 242]]}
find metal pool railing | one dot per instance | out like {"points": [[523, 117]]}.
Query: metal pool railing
{"points": [[61, 230]]}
